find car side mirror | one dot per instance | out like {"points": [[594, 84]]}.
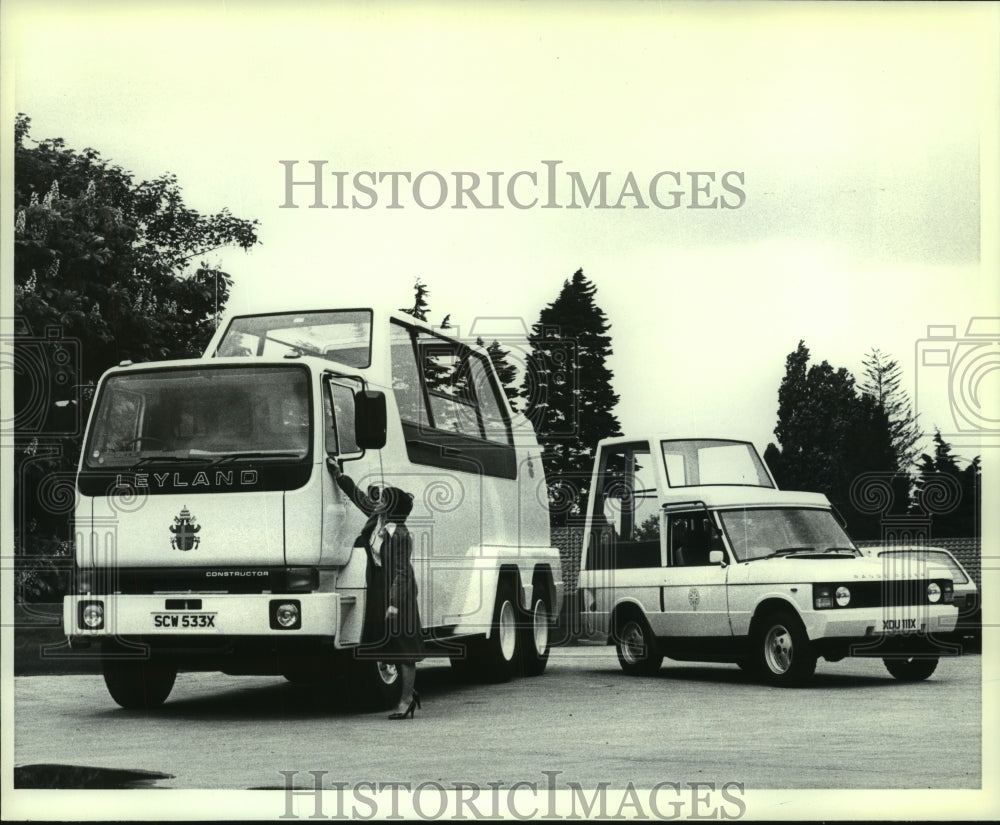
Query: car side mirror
{"points": [[716, 557], [370, 419]]}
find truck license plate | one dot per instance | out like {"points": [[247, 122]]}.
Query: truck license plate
{"points": [[184, 620]]}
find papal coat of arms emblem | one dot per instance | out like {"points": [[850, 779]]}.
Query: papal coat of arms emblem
{"points": [[694, 597], [185, 531]]}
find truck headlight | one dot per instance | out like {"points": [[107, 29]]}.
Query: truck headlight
{"points": [[843, 596], [933, 593], [90, 615], [286, 614]]}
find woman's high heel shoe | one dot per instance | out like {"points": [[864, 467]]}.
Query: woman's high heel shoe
{"points": [[414, 703]]}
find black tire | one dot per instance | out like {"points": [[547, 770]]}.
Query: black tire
{"points": [[783, 654], [374, 684], [638, 653], [494, 659], [913, 669], [307, 670], [139, 684], [535, 634]]}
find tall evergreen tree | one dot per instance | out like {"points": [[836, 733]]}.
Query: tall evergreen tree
{"points": [[947, 493], [882, 377], [829, 436], [506, 372], [567, 392], [420, 306]]}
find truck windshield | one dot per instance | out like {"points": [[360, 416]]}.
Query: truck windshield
{"points": [[343, 336], [696, 462], [201, 414], [758, 533]]}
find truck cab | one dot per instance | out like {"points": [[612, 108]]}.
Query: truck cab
{"points": [[692, 552], [210, 534]]}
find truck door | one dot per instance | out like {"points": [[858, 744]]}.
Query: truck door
{"points": [[342, 520]]}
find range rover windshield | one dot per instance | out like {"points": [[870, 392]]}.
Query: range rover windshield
{"points": [[343, 336], [761, 533], [703, 461], [201, 414]]}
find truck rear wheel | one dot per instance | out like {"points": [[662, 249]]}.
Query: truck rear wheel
{"points": [[494, 659], [138, 685], [535, 635], [783, 653], [636, 647], [913, 669]]}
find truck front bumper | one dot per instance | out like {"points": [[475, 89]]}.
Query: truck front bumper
{"points": [[102, 616]]}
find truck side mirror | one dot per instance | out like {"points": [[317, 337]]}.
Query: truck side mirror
{"points": [[370, 419]]}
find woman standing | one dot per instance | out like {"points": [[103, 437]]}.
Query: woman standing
{"points": [[391, 605]]}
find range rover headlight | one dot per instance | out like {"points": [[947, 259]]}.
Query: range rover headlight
{"points": [[843, 596], [822, 596], [933, 593]]}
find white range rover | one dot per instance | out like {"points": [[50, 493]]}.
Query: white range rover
{"points": [[692, 552]]}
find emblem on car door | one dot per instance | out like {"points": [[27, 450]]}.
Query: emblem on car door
{"points": [[694, 597]]}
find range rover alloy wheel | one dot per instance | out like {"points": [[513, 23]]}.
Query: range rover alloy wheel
{"points": [[783, 653], [637, 650]]}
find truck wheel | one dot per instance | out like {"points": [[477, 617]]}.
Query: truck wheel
{"points": [[637, 650], [493, 659], [138, 685], [913, 669], [375, 684], [534, 639], [784, 655]]}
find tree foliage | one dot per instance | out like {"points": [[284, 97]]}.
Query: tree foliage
{"points": [[882, 381], [505, 370], [420, 306], [829, 435], [836, 438], [567, 392], [948, 494], [105, 269]]}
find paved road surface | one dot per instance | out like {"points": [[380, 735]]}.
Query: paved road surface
{"points": [[853, 727]]}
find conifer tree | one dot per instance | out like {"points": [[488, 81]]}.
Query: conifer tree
{"points": [[567, 392], [420, 306], [829, 436], [882, 382], [948, 493], [506, 372]]}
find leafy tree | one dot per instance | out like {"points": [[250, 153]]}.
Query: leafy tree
{"points": [[882, 382], [567, 392], [103, 272], [829, 436], [948, 493]]}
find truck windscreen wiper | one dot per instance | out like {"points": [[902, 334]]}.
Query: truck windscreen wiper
{"points": [[169, 459], [226, 459]]}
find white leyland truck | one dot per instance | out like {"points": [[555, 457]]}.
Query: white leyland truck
{"points": [[692, 552], [211, 536]]}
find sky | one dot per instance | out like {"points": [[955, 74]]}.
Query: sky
{"points": [[861, 140], [854, 136]]}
